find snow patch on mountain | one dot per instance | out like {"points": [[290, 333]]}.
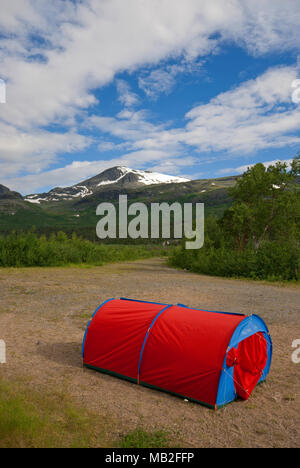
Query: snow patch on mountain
{"points": [[145, 177], [80, 192], [123, 170], [34, 200], [122, 175]]}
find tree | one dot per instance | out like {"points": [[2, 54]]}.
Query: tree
{"points": [[266, 203]]}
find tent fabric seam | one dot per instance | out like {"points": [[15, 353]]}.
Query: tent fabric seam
{"points": [[146, 337]]}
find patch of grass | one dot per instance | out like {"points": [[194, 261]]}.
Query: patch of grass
{"points": [[85, 316], [34, 420], [142, 439]]}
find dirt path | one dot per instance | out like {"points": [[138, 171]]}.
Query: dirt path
{"points": [[43, 314]]}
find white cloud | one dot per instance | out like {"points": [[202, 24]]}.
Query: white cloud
{"points": [[162, 80], [256, 115], [158, 81], [126, 96], [130, 125], [264, 26], [176, 166], [83, 45], [106, 145], [242, 169], [34, 151], [91, 41]]}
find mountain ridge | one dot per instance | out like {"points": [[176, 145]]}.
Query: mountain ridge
{"points": [[6, 193], [77, 213]]}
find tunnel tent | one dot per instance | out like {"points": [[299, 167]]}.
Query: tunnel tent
{"points": [[209, 357]]}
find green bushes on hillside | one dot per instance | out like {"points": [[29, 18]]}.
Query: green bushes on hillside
{"points": [[272, 261], [259, 235], [28, 250]]}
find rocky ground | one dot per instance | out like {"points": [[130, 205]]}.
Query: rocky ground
{"points": [[43, 314]]}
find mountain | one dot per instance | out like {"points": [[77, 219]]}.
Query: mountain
{"points": [[119, 177], [73, 209], [7, 194], [10, 202]]}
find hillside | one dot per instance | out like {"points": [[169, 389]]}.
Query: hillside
{"points": [[73, 209], [113, 178], [10, 202]]}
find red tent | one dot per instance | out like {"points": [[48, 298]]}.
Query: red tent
{"points": [[205, 356]]}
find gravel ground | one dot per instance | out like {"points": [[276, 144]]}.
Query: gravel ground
{"points": [[43, 314]]}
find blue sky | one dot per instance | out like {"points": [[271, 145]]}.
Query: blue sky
{"points": [[185, 88]]}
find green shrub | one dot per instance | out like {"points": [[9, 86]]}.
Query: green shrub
{"points": [[30, 250], [273, 260]]}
